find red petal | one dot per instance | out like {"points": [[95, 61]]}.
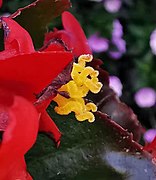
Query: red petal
{"points": [[78, 38], [0, 3], [16, 38], [46, 123], [151, 147], [54, 45], [30, 73], [18, 138], [58, 35], [49, 127]]}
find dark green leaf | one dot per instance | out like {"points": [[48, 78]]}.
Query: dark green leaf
{"points": [[89, 151], [35, 17]]}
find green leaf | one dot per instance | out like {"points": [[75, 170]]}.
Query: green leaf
{"points": [[36, 16], [96, 151]]}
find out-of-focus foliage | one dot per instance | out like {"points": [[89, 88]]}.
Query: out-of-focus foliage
{"points": [[11, 6]]}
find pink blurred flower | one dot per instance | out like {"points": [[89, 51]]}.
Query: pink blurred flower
{"points": [[117, 29], [115, 84], [112, 6], [149, 135], [98, 44], [96, 0], [153, 42], [145, 97], [118, 43]]}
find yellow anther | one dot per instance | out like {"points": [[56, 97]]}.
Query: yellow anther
{"points": [[84, 116], [84, 58], [84, 79], [94, 74], [93, 85], [91, 107], [70, 106]]}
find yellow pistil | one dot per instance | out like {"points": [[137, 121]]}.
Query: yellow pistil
{"points": [[84, 79]]}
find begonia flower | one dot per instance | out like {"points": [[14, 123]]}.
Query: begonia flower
{"points": [[72, 35], [84, 79], [79, 85], [151, 147], [24, 73], [18, 137]]}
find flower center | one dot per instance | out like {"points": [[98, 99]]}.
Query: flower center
{"points": [[84, 79]]}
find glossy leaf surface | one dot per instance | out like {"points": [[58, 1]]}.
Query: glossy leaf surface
{"points": [[108, 102], [100, 150]]}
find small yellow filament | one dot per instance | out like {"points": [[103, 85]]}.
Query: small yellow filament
{"points": [[84, 79]]}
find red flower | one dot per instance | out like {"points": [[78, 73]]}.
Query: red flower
{"points": [[23, 73], [151, 148], [18, 137], [72, 35]]}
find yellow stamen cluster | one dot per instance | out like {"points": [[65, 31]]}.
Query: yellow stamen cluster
{"points": [[84, 79]]}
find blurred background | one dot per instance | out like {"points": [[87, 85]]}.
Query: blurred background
{"points": [[123, 34]]}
